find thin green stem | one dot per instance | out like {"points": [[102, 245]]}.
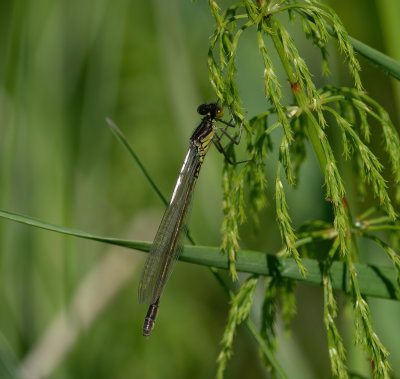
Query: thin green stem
{"points": [[123, 141], [386, 63], [377, 281], [368, 213], [301, 98], [312, 129], [252, 329], [384, 227], [378, 220], [265, 349]]}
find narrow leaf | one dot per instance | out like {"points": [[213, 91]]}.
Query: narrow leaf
{"points": [[377, 281]]}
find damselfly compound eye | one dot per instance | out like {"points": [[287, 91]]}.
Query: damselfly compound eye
{"points": [[219, 112], [203, 109], [212, 110]]}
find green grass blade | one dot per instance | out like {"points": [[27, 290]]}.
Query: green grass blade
{"points": [[142, 246], [124, 142], [376, 281], [387, 64], [266, 350]]}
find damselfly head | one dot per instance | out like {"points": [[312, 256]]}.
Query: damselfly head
{"points": [[213, 110]]}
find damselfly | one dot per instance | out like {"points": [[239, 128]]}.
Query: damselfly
{"points": [[167, 243]]}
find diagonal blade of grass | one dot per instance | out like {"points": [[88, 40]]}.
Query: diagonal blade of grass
{"points": [[142, 246], [386, 63], [376, 281], [124, 142]]}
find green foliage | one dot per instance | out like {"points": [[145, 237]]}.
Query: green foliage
{"points": [[239, 311], [284, 222], [230, 204], [308, 118], [364, 332], [323, 252], [335, 345]]}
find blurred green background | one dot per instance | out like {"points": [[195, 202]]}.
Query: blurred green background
{"points": [[68, 308]]}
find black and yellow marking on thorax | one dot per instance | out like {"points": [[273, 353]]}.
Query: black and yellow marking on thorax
{"points": [[203, 142], [204, 133]]}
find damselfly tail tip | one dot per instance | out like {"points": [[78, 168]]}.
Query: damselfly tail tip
{"points": [[147, 327], [150, 319]]}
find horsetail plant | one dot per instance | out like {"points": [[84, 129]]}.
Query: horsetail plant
{"points": [[240, 309], [307, 119]]}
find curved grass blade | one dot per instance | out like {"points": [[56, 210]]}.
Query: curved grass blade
{"points": [[138, 245], [124, 142], [387, 64], [376, 281], [266, 350]]}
